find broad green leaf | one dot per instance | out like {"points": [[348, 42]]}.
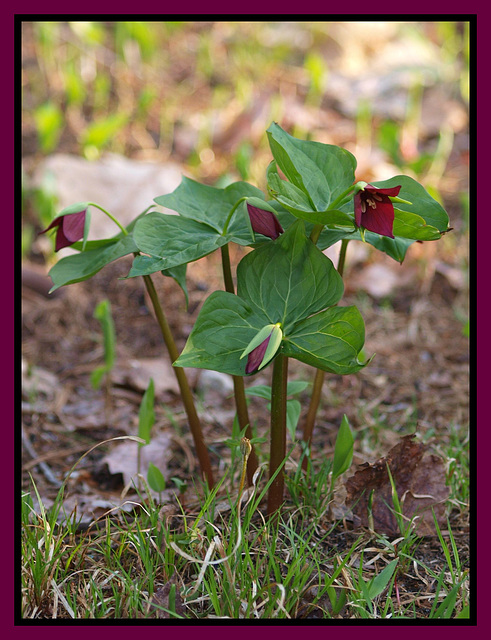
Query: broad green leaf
{"points": [[422, 204], [395, 248], [330, 340], [155, 478], [259, 391], [264, 391], [179, 275], [210, 205], [146, 413], [146, 265], [296, 202], [380, 582], [413, 227], [224, 327], [282, 281], [293, 409], [321, 171], [82, 266], [343, 449], [288, 279], [175, 239], [296, 386]]}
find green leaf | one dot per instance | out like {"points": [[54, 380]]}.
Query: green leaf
{"points": [[224, 327], [288, 279], [83, 266], [321, 171], [259, 391], [97, 375], [102, 313], [179, 275], [380, 582], [414, 227], [296, 202], [422, 204], [330, 340], [210, 205], [343, 449], [395, 248], [293, 409], [283, 281], [174, 239], [264, 391], [155, 478], [146, 413]]}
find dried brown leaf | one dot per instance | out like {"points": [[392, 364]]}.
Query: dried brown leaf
{"points": [[160, 601], [122, 459], [420, 483]]}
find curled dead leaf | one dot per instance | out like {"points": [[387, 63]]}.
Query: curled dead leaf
{"points": [[419, 479], [167, 598]]}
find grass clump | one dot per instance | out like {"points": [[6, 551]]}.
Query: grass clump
{"points": [[222, 558]]}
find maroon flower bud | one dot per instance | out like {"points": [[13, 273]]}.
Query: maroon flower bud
{"points": [[264, 222], [374, 211], [256, 356], [70, 228]]}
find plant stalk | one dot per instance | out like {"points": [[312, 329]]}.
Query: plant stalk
{"points": [[308, 428], [239, 387], [186, 394], [277, 452]]}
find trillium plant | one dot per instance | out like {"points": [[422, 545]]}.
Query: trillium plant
{"points": [[284, 301]]}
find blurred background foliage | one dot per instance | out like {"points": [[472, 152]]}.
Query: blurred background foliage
{"points": [[201, 94]]}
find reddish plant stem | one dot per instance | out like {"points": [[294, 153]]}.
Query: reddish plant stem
{"points": [[277, 450], [239, 387], [186, 393]]}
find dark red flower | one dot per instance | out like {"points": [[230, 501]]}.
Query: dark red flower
{"points": [[264, 222], [374, 211], [70, 228], [256, 356]]}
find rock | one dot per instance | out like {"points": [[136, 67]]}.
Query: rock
{"points": [[215, 381]]}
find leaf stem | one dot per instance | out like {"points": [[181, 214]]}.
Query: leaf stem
{"points": [[308, 428], [186, 394], [239, 387], [277, 451], [229, 217], [317, 230], [109, 215]]}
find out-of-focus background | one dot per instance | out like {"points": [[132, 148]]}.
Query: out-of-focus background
{"points": [[200, 95], [116, 112]]}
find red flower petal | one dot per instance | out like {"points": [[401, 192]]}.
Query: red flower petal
{"points": [[264, 222], [256, 356], [70, 228], [374, 210]]}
